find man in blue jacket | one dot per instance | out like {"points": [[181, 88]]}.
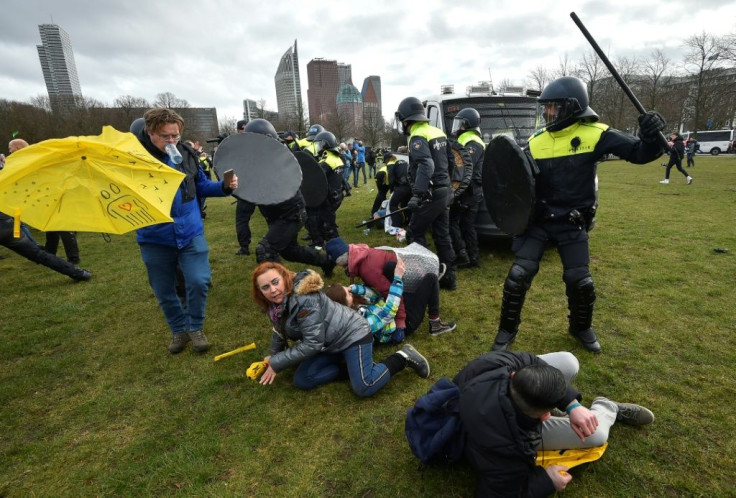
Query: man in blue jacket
{"points": [[181, 242]]}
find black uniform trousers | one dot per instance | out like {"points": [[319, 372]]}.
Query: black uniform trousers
{"points": [[436, 216], [243, 212], [380, 197], [399, 198], [31, 251], [68, 239], [462, 223], [281, 240]]}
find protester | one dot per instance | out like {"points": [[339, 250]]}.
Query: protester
{"points": [[359, 161], [692, 148], [376, 268], [677, 152], [317, 334], [182, 241], [566, 202], [380, 314], [505, 403]]}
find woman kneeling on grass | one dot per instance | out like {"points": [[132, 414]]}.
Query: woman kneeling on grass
{"points": [[325, 333], [380, 314]]}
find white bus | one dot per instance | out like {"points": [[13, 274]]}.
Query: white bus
{"points": [[713, 141]]}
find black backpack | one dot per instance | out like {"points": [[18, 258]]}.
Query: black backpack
{"points": [[433, 426]]}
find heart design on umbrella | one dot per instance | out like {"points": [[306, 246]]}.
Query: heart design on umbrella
{"points": [[127, 206]]}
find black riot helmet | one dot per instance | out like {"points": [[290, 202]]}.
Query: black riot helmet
{"points": [[137, 126], [466, 119], [410, 110], [565, 101], [326, 141], [313, 131], [262, 126]]}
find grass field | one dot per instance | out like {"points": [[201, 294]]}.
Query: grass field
{"points": [[92, 403]]}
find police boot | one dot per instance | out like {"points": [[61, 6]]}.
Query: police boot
{"points": [[580, 299], [513, 301], [264, 252], [449, 279], [462, 260]]}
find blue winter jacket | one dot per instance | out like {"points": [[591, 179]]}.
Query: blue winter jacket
{"points": [[361, 152], [185, 211]]}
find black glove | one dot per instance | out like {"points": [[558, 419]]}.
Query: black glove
{"points": [[650, 125], [414, 203]]}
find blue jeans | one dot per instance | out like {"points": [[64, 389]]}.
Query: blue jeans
{"points": [[161, 264], [366, 377]]}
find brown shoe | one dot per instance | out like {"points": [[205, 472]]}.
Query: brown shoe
{"points": [[178, 342], [199, 341]]}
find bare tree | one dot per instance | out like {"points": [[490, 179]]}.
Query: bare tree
{"points": [[613, 105], [228, 125], [538, 78], [340, 124], [654, 79], [564, 68], [261, 108], [169, 101], [591, 69], [372, 126], [700, 61]]}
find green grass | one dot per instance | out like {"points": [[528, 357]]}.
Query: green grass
{"points": [[92, 403]]}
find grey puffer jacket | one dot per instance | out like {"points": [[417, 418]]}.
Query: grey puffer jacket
{"points": [[319, 324]]}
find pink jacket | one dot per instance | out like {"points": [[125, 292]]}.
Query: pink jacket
{"points": [[367, 264]]}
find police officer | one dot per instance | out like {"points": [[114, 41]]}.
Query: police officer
{"points": [[566, 152], [333, 166], [399, 185], [429, 159], [381, 187], [284, 220], [308, 144], [243, 212], [464, 210]]}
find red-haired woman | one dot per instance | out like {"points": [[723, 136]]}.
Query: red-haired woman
{"points": [[317, 334]]}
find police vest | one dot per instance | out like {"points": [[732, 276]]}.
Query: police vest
{"points": [[567, 167], [333, 166], [437, 152], [383, 168], [312, 148], [476, 148]]}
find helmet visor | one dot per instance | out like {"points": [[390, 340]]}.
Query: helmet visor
{"points": [[457, 124]]}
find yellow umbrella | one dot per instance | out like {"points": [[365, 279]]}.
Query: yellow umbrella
{"points": [[104, 183]]}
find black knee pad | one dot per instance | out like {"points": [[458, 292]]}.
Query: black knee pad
{"points": [[520, 275]]}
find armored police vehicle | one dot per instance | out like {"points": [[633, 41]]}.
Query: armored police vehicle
{"points": [[511, 111]]}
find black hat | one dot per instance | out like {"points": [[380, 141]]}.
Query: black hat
{"points": [[387, 156]]}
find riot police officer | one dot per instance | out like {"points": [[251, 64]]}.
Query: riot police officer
{"points": [[429, 159], [399, 185], [464, 210], [243, 212], [308, 144], [333, 166], [566, 152], [284, 220]]}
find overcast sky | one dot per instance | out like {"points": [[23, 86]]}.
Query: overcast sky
{"points": [[216, 53]]}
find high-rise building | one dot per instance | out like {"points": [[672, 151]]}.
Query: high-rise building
{"points": [[288, 85], [350, 106], [324, 82], [57, 63], [344, 73], [371, 93]]}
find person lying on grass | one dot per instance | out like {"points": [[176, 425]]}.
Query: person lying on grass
{"points": [[321, 337]]}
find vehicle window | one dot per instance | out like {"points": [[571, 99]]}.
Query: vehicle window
{"points": [[433, 114]]}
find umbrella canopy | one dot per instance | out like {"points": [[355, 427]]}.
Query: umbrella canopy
{"points": [[104, 183]]}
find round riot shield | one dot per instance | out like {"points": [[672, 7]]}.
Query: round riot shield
{"points": [[268, 173], [314, 182], [508, 185]]}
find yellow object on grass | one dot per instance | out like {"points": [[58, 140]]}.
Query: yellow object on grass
{"points": [[102, 183], [570, 458], [247, 347], [256, 369]]}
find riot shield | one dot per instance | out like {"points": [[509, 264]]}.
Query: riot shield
{"points": [[268, 173], [314, 182], [508, 185]]}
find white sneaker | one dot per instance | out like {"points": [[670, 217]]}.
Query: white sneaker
{"points": [[664, 181], [689, 180]]}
